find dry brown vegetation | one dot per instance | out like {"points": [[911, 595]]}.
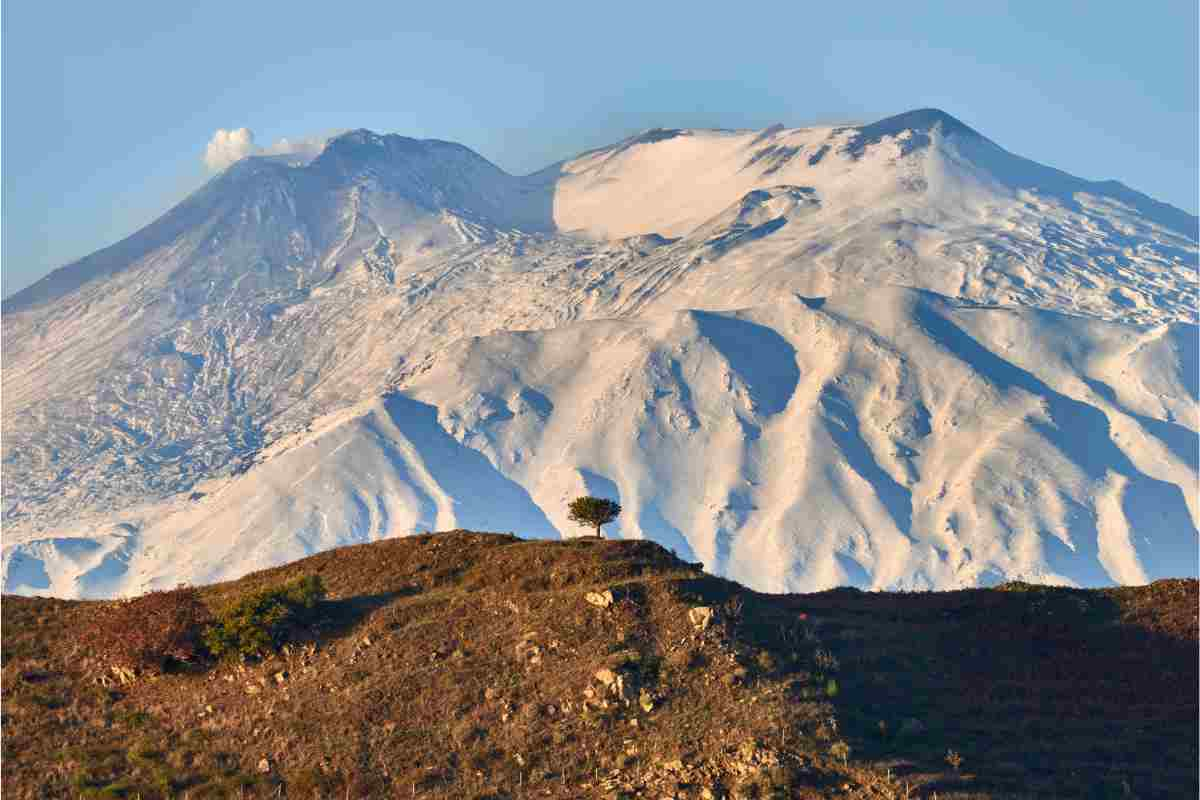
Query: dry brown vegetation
{"points": [[471, 665], [148, 632]]}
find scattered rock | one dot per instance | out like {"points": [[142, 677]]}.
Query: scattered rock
{"points": [[618, 684], [600, 599], [606, 677], [252, 688], [124, 675], [701, 617]]}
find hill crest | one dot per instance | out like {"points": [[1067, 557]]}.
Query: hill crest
{"points": [[487, 665]]}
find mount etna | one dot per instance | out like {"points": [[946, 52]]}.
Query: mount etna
{"points": [[894, 356]]}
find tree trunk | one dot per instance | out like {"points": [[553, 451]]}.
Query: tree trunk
{"points": [[598, 534]]}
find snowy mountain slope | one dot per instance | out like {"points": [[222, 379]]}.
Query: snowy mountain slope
{"points": [[886, 438], [281, 296], [918, 200]]}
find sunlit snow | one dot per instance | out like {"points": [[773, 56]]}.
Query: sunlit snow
{"points": [[890, 356]]}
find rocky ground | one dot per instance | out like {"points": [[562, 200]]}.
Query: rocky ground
{"points": [[472, 665]]}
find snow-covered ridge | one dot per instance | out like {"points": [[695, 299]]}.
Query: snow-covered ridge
{"points": [[898, 354]]}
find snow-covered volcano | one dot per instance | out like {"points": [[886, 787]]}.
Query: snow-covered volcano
{"points": [[892, 355]]}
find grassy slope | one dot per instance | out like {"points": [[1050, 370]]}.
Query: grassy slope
{"points": [[455, 665]]}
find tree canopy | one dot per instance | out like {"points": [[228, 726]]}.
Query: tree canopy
{"points": [[593, 511]]}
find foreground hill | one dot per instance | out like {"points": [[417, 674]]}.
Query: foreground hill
{"points": [[472, 665]]}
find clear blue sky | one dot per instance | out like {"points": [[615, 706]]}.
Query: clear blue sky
{"points": [[107, 107]]}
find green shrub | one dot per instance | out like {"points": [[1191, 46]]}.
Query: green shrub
{"points": [[261, 622]]}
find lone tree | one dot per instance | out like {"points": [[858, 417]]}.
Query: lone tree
{"points": [[594, 511]]}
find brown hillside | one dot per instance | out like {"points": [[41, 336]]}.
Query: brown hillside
{"points": [[468, 665]]}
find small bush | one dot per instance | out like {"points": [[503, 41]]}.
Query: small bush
{"points": [[150, 631], [261, 622]]}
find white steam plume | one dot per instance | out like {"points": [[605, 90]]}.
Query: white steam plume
{"points": [[227, 146]]}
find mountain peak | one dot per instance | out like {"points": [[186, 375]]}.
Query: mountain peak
{"points": [[920, 122], [357, 136], [359, 142], [924, 119], [362, 144]]}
